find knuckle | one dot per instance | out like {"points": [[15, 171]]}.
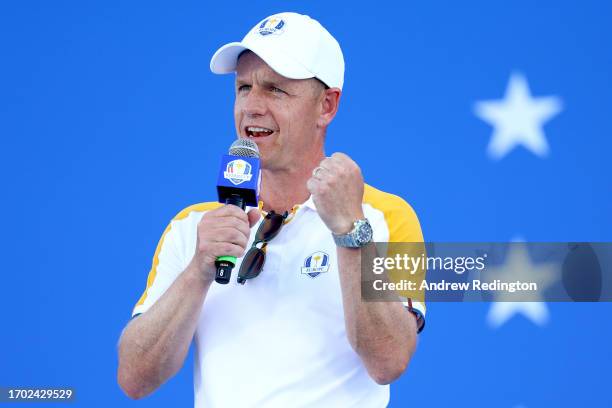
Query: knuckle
{"points": [[215, 213], [233, 250], [234, 222], [236, 235], [225, 247], [224, 234], [205, 218], [237, 211], [243, 233], [205, 247], [216, 249]]}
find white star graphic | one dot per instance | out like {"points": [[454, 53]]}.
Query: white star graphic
{"points": [[501, 312], [518, 119], [518, 266]]}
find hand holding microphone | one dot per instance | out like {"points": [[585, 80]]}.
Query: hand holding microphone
{"points": [[222, 232]]}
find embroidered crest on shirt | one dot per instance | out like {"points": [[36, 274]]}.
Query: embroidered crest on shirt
{"points": [[316, 264]]}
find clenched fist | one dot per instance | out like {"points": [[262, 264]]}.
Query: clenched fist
{"points": [[223, 231], [336, 186]]}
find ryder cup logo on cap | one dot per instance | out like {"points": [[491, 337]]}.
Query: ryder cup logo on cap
{"points": [[316, 264], [272, 25], [294, 45], [238, 171]]}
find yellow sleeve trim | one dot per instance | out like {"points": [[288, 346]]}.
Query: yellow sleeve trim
{"points": [[181, 215], [404, 227], [401, 219]]}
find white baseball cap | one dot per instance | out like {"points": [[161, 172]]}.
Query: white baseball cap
{"points": [[294, 45]]}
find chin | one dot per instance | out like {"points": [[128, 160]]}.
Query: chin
{"points": [[270, 164]]}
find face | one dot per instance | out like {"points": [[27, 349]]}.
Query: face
{"points": [[283, 116]]}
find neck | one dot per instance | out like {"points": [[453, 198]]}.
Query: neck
{"points": [[282, 189]]}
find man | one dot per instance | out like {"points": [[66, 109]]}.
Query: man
{"points": [[299, 334]]}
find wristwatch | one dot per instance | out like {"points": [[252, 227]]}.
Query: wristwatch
{"points": [[360, 235]]}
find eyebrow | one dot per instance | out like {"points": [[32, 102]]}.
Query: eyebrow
{"points": [[279, 84], [264, 83]]}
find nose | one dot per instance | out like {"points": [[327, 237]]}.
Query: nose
{"points": [[254, 104]]}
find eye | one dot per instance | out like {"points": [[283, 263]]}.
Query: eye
{"points": [[277, 90], [243, 87]]}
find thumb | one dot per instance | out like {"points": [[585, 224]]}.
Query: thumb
{"points": [[253, 215]]}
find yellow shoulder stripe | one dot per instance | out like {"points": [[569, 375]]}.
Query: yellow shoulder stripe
{"points": [[404, 227], [401, 219], [181, 215]]}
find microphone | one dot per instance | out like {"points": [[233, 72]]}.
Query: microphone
{"points": [[237, 184]]}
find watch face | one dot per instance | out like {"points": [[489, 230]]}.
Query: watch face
{"points": [[364, 233]]}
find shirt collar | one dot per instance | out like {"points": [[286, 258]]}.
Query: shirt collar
{"points": [[310, 204]]}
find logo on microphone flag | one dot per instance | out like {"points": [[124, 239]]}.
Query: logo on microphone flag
{"points": [[238, 171], [316, 264]]}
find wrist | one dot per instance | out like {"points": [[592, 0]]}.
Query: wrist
{"points": [[346, 225], [199, 273], [343, 228], [360, 235]]}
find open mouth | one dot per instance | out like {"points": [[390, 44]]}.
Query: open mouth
{"points": [[256, 131]]}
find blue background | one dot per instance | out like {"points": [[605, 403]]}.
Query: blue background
{"points": [[111, 123]]}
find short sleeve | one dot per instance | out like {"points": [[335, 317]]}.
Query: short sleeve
{"points": [[167, 264], [173, 253], [404, 227]]}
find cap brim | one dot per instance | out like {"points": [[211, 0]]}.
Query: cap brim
{"points": [[224, 61]]}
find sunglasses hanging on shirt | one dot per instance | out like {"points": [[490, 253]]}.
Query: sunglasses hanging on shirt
{"points": [[253, 261]]}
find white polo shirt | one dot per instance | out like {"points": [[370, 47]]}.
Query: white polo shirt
{"points": [[280, 339]]}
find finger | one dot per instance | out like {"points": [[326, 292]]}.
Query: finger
{"points": [[327, 167], [313, 185], [316, 171], [310, 185], [211, 223], [330, 172], [326, 163], [226, 249], [232, 235], [333, 166], [238, 224], [233, 210], [343, 164], [340, 156], [253, 216], [234, 217], [236, 211], [341, 160], [227, 223]]}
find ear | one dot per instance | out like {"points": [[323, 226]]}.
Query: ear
{"points": [[330, 99]]}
